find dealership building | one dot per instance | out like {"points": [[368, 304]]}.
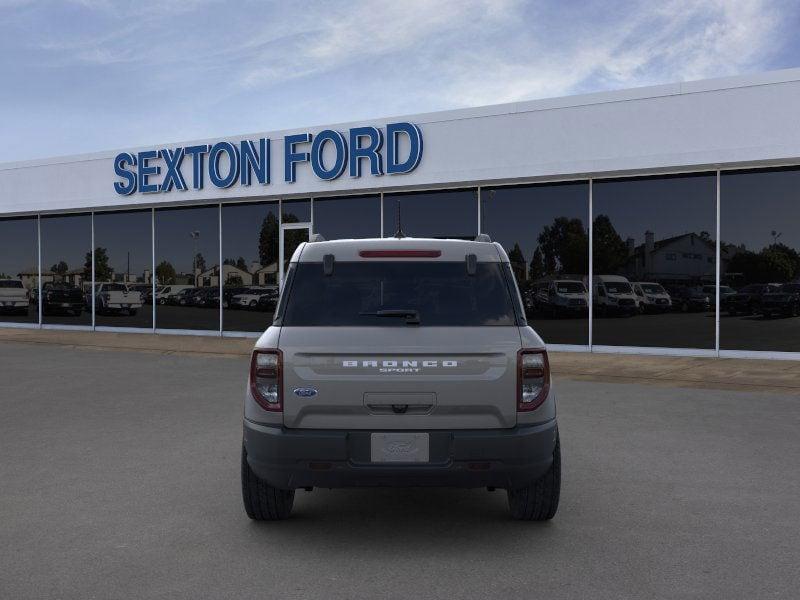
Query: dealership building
{"points": [[660, 220]]}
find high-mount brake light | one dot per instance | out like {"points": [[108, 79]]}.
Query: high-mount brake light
{"points": [[400, 253], [533, 379], [266, 368]]}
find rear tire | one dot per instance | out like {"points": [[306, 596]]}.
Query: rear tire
{"points": [[262, 502], [539, 501]]}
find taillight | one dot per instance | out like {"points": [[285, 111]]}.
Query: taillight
{"points": [[265, 379], [533, 380]]}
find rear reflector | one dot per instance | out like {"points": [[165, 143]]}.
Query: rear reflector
{"points": [[400, 253]]}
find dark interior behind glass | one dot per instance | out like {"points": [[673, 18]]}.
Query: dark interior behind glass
{"points": [[760, 245], [654, 230], [544, 230], [19, 265], [441, 293], [124, 255], [67, 266]]}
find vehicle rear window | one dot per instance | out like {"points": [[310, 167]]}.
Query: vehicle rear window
{"points": [[6, 283], [442, 294]]}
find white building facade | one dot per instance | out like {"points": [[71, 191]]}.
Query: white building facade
{"points": [[586, 185]]}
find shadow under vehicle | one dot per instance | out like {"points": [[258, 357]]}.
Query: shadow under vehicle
{"points": [[561, 297], [747, 300], [651, 297], [207, 297], [62, 298], [785, 301], [689, 299], [14, 298], [613, 295]]}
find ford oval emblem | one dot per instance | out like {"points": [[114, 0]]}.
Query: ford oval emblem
{"points": [[305, 392]]}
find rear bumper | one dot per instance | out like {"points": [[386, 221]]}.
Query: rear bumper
{"points": [[13, 304], [297, 458]]}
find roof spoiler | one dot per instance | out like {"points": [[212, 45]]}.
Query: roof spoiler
{"points": [[482, 237], [316, 237]]}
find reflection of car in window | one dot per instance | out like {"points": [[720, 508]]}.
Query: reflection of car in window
{"points": [[114, 298], [14, 298], [689, 299], [269, 301], [782, 301], [145, 291], [400, 362], [748, 299], [613, 294], [561, 297], [62, 298], [725, 292], [166, 295], [651, 297], [207, 297], [182, 297], [250, 297]]}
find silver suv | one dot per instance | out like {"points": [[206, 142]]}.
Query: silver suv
{"points": [[400, 362]]}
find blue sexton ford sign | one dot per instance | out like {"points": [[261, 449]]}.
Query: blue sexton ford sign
{"points": [[225, 163]]}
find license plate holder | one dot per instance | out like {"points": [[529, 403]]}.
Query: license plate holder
{"points": [[399, 447]]}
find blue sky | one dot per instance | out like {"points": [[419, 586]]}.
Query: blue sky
{"points": [[88, 75]]}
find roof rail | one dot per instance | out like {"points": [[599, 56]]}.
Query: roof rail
{"points": [[316, 237], [482, 237]]}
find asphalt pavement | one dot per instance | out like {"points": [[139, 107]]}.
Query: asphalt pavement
{"points": [[119, 478]]}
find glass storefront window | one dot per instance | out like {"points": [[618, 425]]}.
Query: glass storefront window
{"points": [[442, 214], [19, 270], [760, 260], [66, 269], [544, 230], [249, 265], [187, 268], [654, 261], [296, 211], [123, 265], [350, 217]]}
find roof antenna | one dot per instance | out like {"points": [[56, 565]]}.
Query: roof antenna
{"points": [[399, 233]]}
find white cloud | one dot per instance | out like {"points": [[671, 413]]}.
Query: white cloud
{"points": [[200, 68], [673, 41]]}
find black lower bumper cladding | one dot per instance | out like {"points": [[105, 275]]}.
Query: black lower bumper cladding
{"points": [[299, 458]]}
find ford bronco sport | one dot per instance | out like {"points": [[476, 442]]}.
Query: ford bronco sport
{"points": [[400, 362]]}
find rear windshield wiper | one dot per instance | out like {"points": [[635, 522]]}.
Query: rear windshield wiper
{"points": [[411, 315]]}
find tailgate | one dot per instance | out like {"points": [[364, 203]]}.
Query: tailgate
{"points": [[399, 377]]}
